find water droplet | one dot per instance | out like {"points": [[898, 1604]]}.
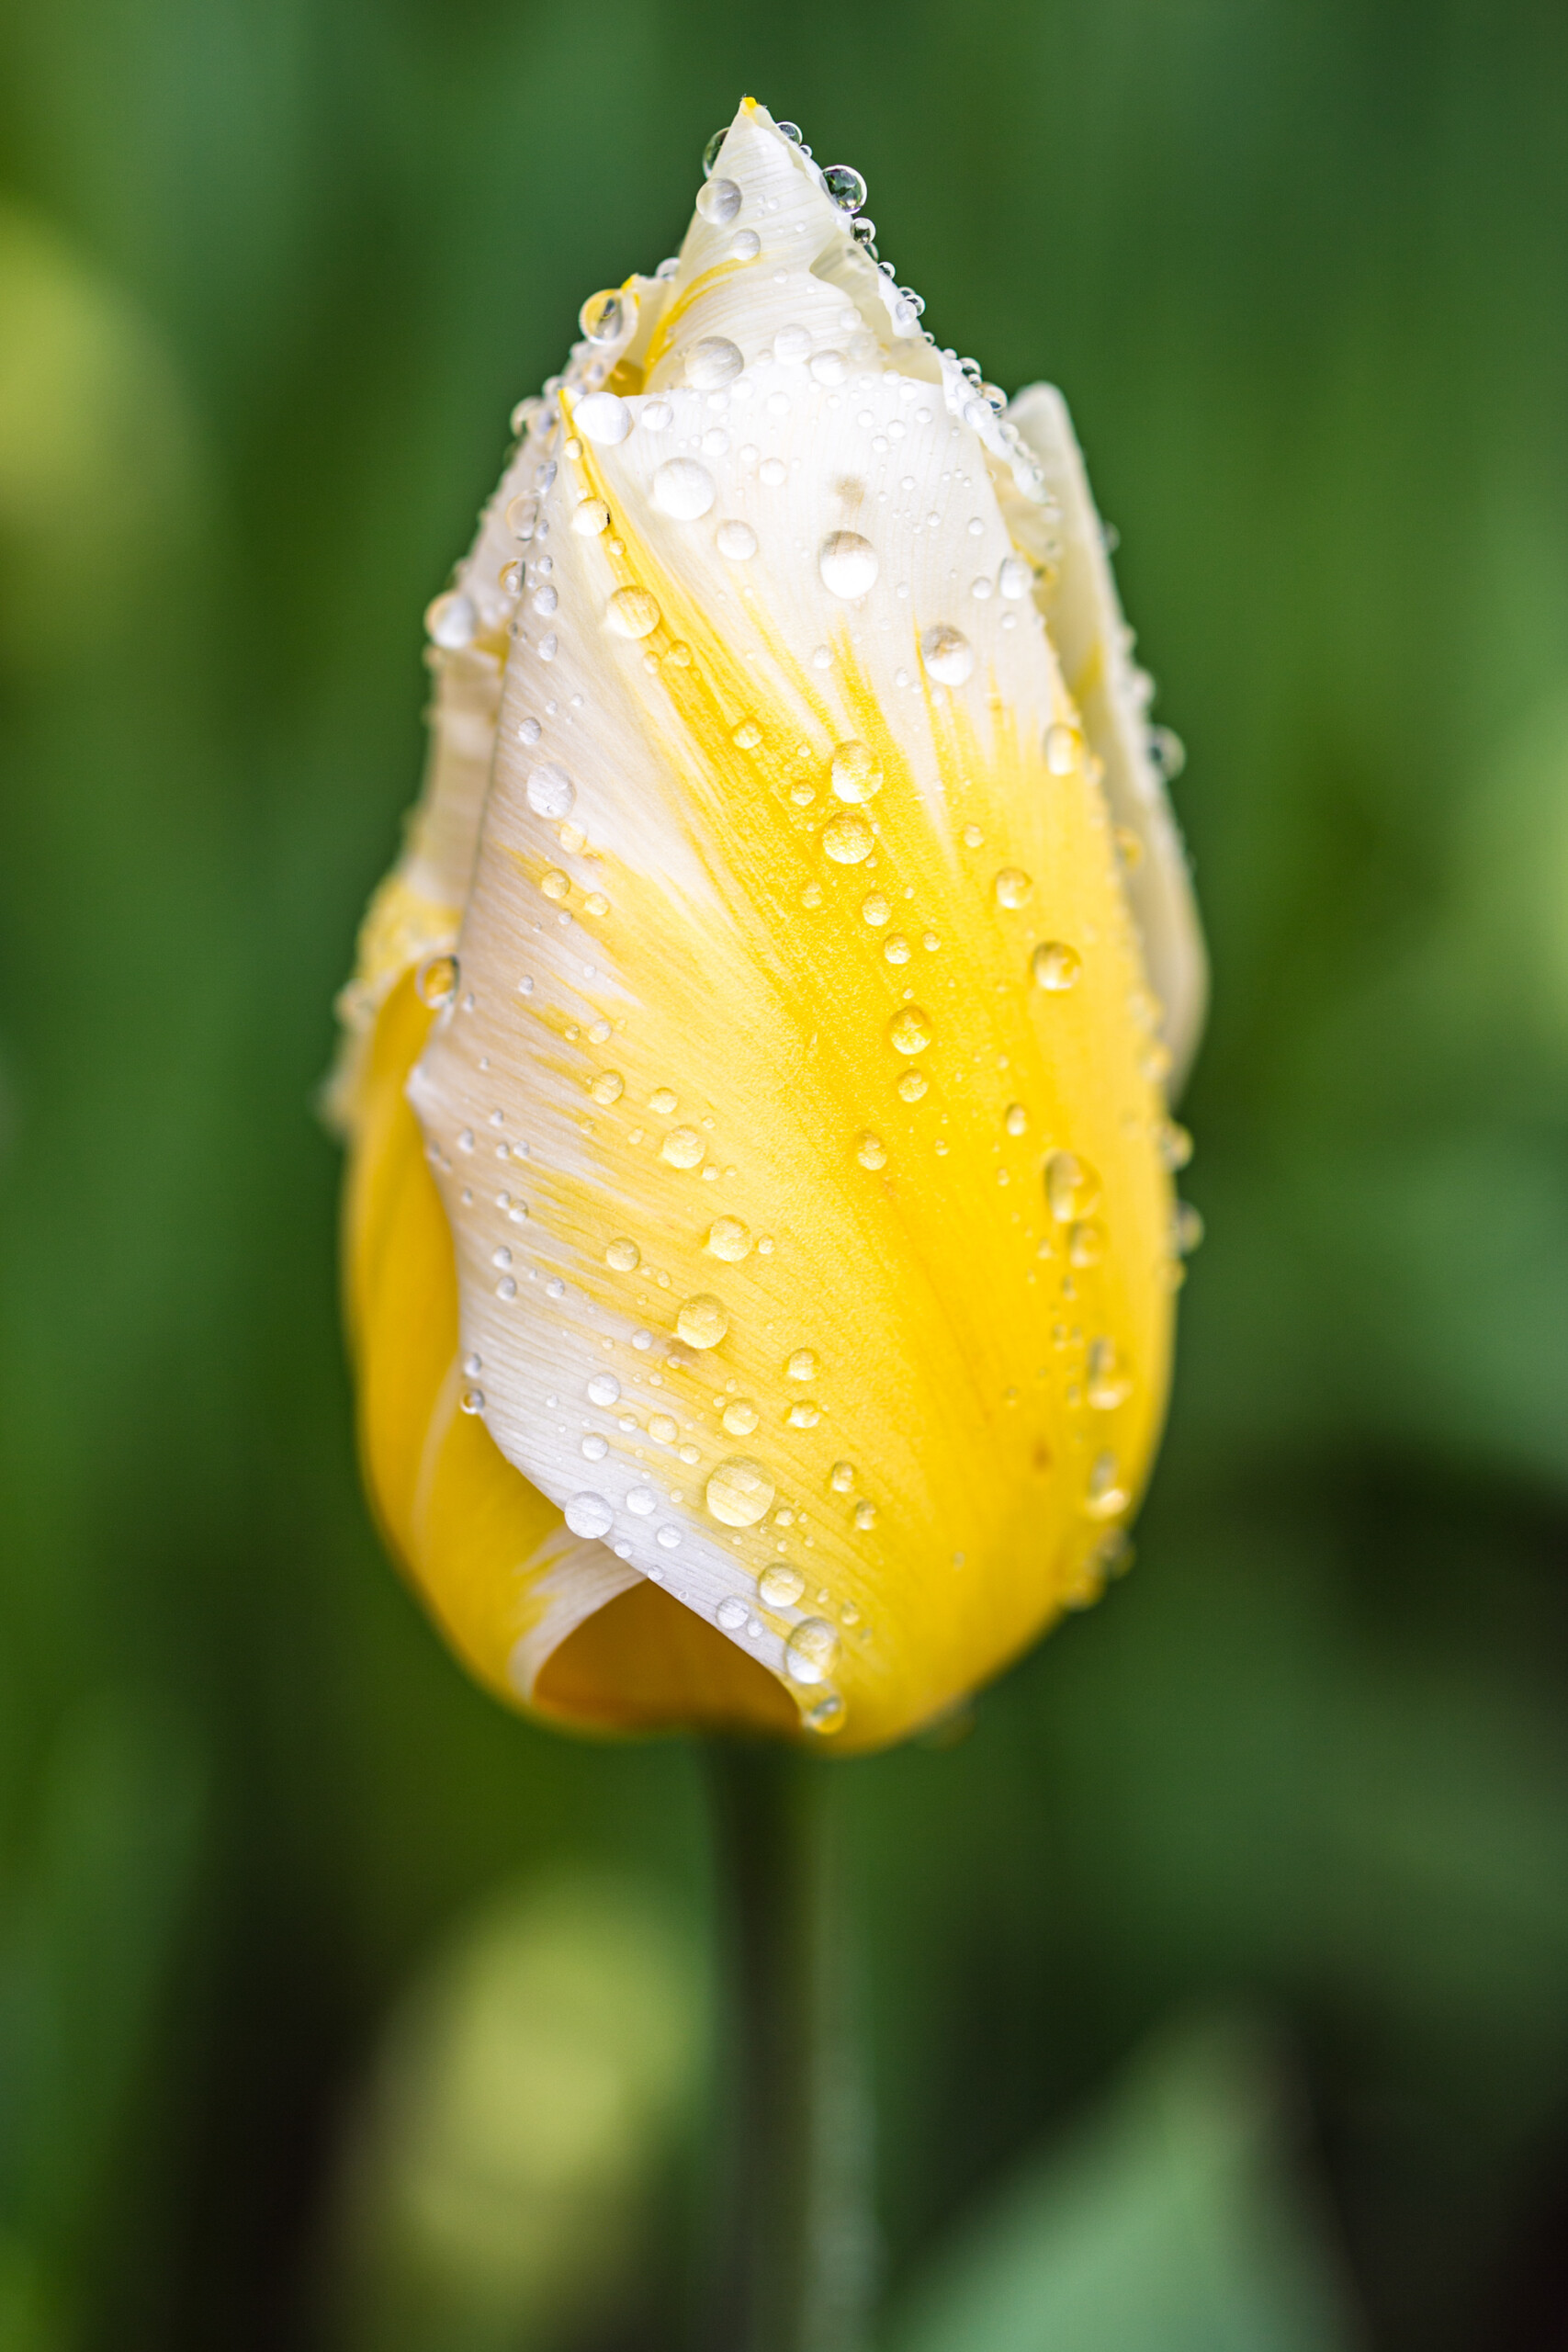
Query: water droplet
{"points": [[739, 1492], [747, 735], [604, 318], [912, 1085], [1187, 1228], [551, 792], [848, 564], [603, 418], [663, 1428], [948, 655], [632, 612], [740, 1416], [1072, 1187], [790, 131], [746, 246], [622, 1256], [845, 186], [842, 1476], [1166, 752], [522, 517], [451, 621], [828, 1715], [855, 774], [848, 839], [910, 1031], [737, 541], [683, 1148], [713, 150], [1013, 886], [802, 1364], [555, 885], [684, 488], [729, 1238], [642, 1502], [589, 517], [780, 1586], [658, 417], [596, 903], [896, 948], [473, 1400], [1109, 1385], [771, 472], [1017, 1119], [712, 363], [595, 1447], [663, 1099], [811, 1652], [732, 1613], [501, 1258], [719, 202], [702, 1321], [804, 1414], [792, 344], [1129, 845], [1086, 1243], [1014, 578], [589, 1515], [874, 908], [1055, 966], [668, 1538], [1106, 1495], [865, 1516], [603, 1389], [1061, 750], [437, 980], [608, 1087], [829, 367], [870, 1150], [1175, 1144]]}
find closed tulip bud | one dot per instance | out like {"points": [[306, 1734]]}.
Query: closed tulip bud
{"points": [[760, 1234]]}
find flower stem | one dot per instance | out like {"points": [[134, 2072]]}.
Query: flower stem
{"points": [[801, 2230]]}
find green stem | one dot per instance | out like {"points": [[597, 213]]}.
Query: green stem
{"points": [[802, 2229]]}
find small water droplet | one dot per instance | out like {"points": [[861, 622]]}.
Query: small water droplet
{"points": [[603, 1389], [802, 1364], [729, 1238], [1187, 1228], [874, 908], [829, 367], [589, 1515], [451, 621], [523, 516], [1175, 1144], [1072, 1187], [719, 201], [735, 541], [912, 1085], [848, 564], [1109, 1385], [702, 1322], [1061, 750], [712, 363], [642, 1502], [595, 1447], [856, 776], [865, 1516], [803, 1414], [828, 1715], [608, 1087], [811, 1652], [895, 949], [1086, 1243], [848, 839], [739, 1492], [1013, 886], [473, 1400], [1166, 752], [663, 1428], [780, 1586], [792, 344], [746, 246], [910, 1031], [632, 612], [550, 791], [589, 517], [596, 903], [740, 1416], [948, 655], [437, 980], [683, 490], [747, 735], [1017, 1119], [623, 1255], [1106, 1495], [663, 1099], [1055, 966], [683, 1148], [555, 885], [732, 1613], [1014, 577], [845, 186]]}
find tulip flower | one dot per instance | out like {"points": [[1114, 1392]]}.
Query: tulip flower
{"points": [[760, 1243]]}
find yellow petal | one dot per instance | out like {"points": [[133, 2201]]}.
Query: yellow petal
{"points": [[797, 1111]]}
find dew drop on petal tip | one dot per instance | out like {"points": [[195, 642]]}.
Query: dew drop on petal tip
{"points": [[551, 792], [605, 317], [848, 564], [1055, 966], [740, 1491], [811, 1652], [683, 490], [948, 655]]}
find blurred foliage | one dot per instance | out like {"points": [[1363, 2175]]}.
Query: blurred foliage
{"points": [[271, 278]]}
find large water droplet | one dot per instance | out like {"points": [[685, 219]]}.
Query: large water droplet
{"points": [[740, 1416], [1072, 1187], [811, 1652], [712, 363], [608, 1087], [683, 1148], [828, 1715], [740, 1491], [855, 774], [845, 186], [780, 1586], [589, 1515], [1055, 966], [735, 541], [865, 1517], [684, 488], [601, 417], [451, 621], [632, 612], [848, 839], [732, 1613], [589, 517], [604, 318], [719, 202], [848, 564], [948, 655], [642, 1502], [910, 1031], [746, 246], [604, 1389], [1013, 886], [551, 792], [802, 1364], [702, 1322], [729, 1238], [792, 344], [622, 1256], [663, 1428], [555, 885]]}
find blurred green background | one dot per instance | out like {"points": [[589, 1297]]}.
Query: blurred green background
{"points": [[1215, 1987]]}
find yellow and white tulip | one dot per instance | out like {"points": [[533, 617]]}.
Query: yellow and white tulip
{"points": [[761, 1242]]}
